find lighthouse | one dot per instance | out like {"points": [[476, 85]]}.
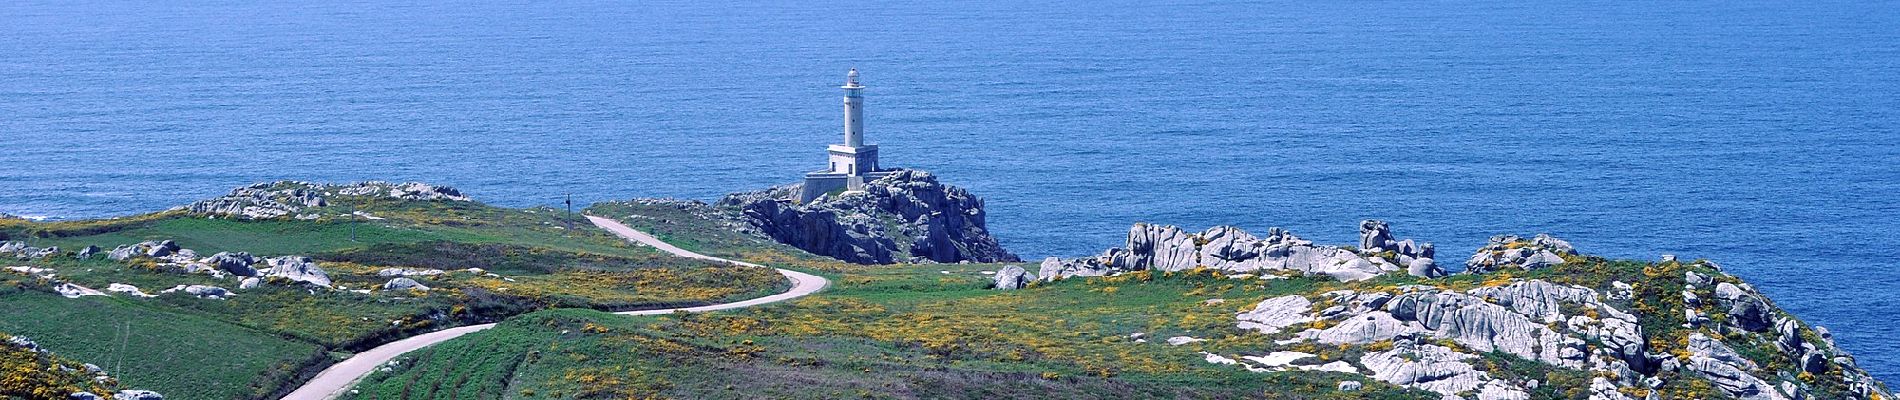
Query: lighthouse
{"points": [[852, 163], [853, 109]]}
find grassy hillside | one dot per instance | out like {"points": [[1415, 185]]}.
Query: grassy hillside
{"points": [[937, 331], [258, 342], [30, 372], [882, 332], [918, 331], [189, 354]]}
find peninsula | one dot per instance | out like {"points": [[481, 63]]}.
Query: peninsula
{"points": [[859, 282]]}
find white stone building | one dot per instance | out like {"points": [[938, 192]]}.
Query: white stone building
{"points": [[852, 163]]}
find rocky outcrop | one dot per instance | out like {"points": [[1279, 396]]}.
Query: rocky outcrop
{"points": [[1513, 251], [150, 248], [1230, 249], [249, 269], [22, 251], [1431, 367], [404, 284], [1012, 277], [296, 269], [137, 395], [86, 252], [1277, 313], [1436, 332], [72, 291], [400, 272], [292, 198], [127, 289], [200, 291], [238, 263], [907, 216]]}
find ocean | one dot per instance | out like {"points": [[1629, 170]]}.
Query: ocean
{"points": [[1761, 135]]}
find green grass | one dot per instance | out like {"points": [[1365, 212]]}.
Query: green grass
{"points": [[209, 236], [181, 354], [934, 331], [881, 332], [691, 232], [544, 259]]}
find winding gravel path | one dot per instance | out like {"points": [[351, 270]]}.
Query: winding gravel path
{"points": [[338, 378]]}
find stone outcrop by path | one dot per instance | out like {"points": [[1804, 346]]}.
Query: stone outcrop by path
{"points": [[336, 379]]}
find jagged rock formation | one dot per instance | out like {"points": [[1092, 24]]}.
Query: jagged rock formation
{"points": [[1438, 334], [1511, 250], [292, 198], [907, 216], [1227, 248], [1448, 336]]}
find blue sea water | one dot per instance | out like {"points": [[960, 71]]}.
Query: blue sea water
{"points": [[1758, 134]]}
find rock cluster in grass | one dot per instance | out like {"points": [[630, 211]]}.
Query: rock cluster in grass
{"points": [[1230, 249], [1436, 336], [1443, 336], [907, 216], [293, 198], [20, 250], [51, 277], [250, 270]]}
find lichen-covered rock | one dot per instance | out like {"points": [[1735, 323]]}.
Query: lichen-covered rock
{"points": [[11, 246], [238, 263], [289, 198], [137, 395], [1430, 367], [22, 251], [127, 289], [1012, 277], [86, 252], [1230, 249], [150, 248], [1510, 250], [396, 272], [72, 291], [1277, 313], [907, 215], [296, 268], [404, 284], [201, 291]]}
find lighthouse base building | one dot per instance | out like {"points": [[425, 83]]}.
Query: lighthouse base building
{"points": [[853, 163]]}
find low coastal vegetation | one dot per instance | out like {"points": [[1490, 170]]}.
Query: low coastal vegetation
{"points": [[1166, 317], [1173, 314], [305, 274], [913, 331]]}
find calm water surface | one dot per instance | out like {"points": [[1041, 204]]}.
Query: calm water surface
{"points": [[1758, 134]]}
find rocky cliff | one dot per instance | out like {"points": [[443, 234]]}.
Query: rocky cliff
{"points": [[906, 217], [1530, 318]]}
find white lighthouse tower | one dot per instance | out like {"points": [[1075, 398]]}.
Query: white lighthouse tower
{"points": [[852, 163]]}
